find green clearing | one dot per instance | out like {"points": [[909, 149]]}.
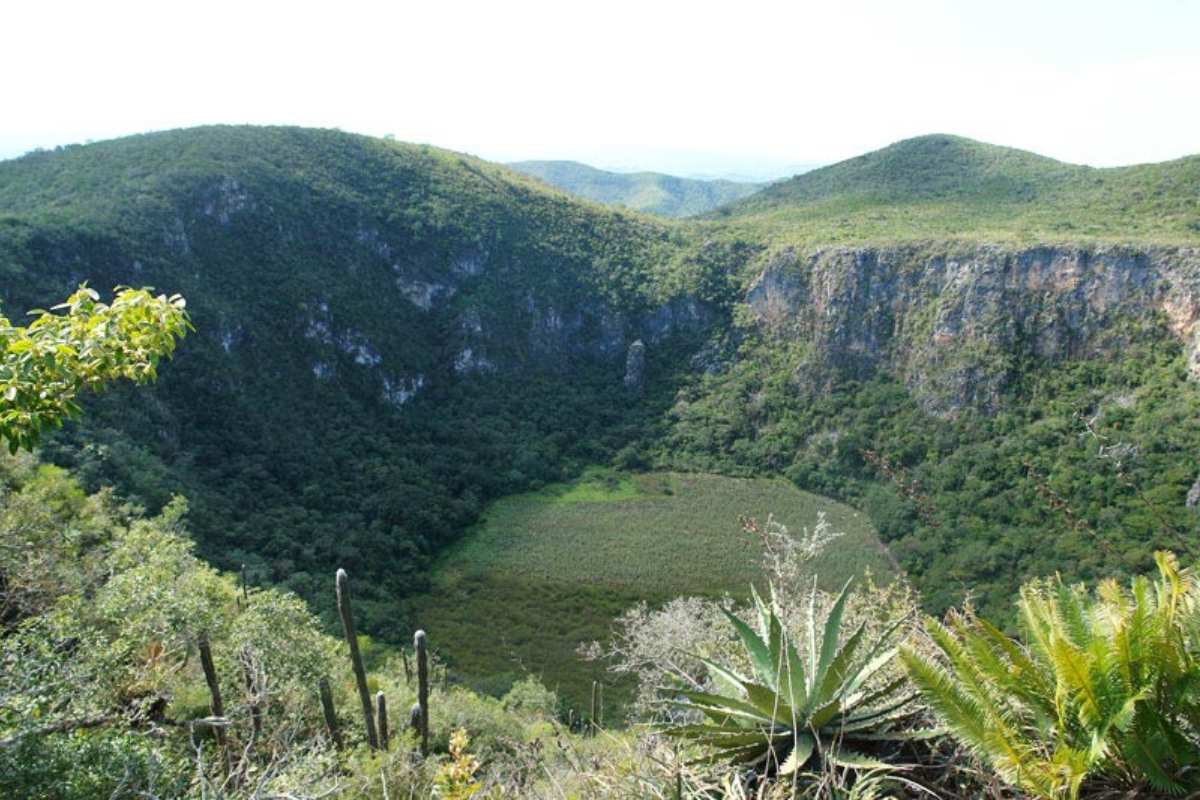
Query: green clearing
{"points": [[546, 571]]}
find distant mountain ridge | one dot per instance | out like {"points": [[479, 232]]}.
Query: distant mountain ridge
{"points": [[649, 192]]}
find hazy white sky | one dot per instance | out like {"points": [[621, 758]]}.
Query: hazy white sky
{"points": [[681, 86]]}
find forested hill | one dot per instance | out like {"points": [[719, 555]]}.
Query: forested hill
{"points": [[389, 336], [948, 186], [650, 192]]}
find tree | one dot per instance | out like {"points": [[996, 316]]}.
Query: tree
{"points": [[46, 366]]}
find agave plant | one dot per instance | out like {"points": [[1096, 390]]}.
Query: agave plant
{"points": [[800, 710], [1105, 686]]}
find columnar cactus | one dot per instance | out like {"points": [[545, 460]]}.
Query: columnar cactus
{"points": [[414, 719], [595, 717], [214, 690], [360, 674], [252, 691], [422, 688], [330, 714], [381, 719]]}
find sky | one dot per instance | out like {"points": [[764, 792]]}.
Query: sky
{"points": [[732, 87]]}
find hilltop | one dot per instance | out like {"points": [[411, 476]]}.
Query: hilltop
{"points": [[649, 192], [948, 186]]}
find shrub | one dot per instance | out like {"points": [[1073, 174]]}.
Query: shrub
{"points": [[1105, 686], [796, 711]]}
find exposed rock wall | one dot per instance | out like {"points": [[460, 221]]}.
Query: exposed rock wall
{"points": [[950, 325]]}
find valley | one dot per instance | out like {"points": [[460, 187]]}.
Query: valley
{"points": [[404, 354], [544, 573], [644, 401], [391, 337]]}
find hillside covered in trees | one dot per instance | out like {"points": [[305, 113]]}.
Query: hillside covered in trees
{"points": [[648, 192], [988, 354]]}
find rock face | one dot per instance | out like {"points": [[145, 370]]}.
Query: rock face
{"points": [[635, 367], [1193, 495], [952, 325]]}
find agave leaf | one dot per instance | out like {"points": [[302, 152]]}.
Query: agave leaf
{"points": [[729, 741], [884, 719], [775, 642], [718, 701], [884, 639], [719, 707], [811, 635], [802, 751], [792, 683], [853, 760], [775, 638], [867, 671], [829, 639], [839, 668], [858, 701], [764, 612], [770, 703], [760, 656], [724, 685], [821, 716], [691, 731], [751, 755], [722, 717], [876, 654], [725, 678], [919, 735], [877, 718]]}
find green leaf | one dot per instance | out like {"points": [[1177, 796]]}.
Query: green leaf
{"points": [[793, 682], [851, 760], [829, 640], [760, 656], [802, 751]]}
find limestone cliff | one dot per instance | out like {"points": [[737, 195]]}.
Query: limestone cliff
{"points": [[954, 323]]}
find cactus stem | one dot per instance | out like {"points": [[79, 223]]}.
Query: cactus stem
{"points": [[330, 715], [420, 646], [360, 674]]}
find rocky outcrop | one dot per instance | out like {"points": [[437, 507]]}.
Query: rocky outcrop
{"points": [[635, 367], [225, 199], [952, 324], [554, 335]]}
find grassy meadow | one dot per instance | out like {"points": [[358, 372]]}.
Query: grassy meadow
{"points": [[547, 571]]}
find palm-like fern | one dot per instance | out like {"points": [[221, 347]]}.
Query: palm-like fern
{"points": [[798, 709], [1105, 685]]}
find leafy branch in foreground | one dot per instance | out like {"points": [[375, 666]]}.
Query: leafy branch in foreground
{"points": [[1104, 688], [802, 711], [46, 365]]}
